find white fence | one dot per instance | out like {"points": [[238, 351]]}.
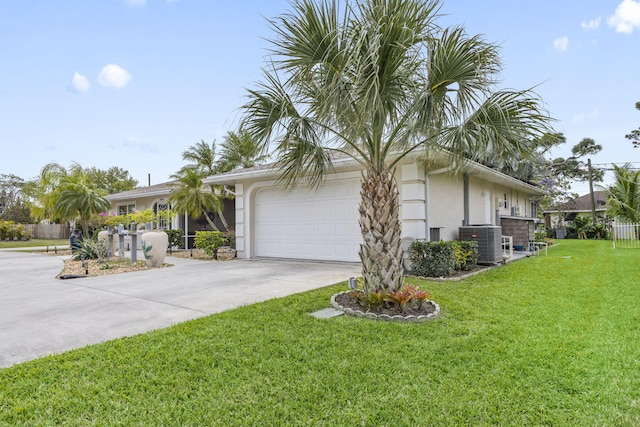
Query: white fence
{"points": [[625, 235]]}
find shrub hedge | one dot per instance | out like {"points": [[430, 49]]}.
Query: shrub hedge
{"points": [[440, 259], [176, 237], [10, 230]]}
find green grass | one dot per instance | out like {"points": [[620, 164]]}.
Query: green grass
{"points": [[543, 341], [34, 242]]}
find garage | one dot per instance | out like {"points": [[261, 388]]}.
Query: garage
{"points": [[310, 224]]}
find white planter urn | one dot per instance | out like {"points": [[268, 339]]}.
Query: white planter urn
{"points": [[154, 247]]}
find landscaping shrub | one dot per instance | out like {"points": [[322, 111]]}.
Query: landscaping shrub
{"points": [[466, 254], [176, 237], [432, 259], [400, 298], [92, 248], [209, 241], [551, 232], [9, 230]]}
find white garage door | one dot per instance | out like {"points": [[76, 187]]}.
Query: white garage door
{"points": [[317, 224]]}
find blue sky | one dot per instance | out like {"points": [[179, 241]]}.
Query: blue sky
{"points": [[133, 83]]}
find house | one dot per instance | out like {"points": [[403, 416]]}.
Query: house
{"points": [[322, 223], [560, 215], [155, 197]]}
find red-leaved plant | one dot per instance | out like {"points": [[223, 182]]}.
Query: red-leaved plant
{"points": [[400, 298]]}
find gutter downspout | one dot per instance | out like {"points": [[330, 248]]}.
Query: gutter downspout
{"points": [[465, 198]]}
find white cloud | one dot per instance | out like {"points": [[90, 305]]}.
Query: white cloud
{"points": [[626, 17], [113, 76], [135, 2], [137, 143], [584, 117], [591, 25], [561, 44], [80, 83]]}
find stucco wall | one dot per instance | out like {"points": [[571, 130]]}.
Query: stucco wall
{"points": [[446, 204], [444, 208]]}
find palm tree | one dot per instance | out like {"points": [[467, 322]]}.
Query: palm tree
{"points": [[43, 191], [188, 196], [239, 149], [624, 195], [202, 158], [376, 80], [77, 197]]}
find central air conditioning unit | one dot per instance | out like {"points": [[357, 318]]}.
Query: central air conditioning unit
{"points": [[489, 238]]}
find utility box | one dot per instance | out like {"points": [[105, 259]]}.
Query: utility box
{"points": [[489, 238]]}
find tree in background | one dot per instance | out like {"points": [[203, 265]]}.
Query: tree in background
{"points": [[376, 80], [13, 204], [624, 194], [554, 175], [111, 181], [239, 150], [201, 159], [89, 185], [634, 136]]}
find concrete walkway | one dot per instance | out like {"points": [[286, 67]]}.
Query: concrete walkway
{"points": [[40, 315]]}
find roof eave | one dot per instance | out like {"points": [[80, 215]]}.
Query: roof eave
{"points": [[231, 178], [116, 197], [492, 175]]}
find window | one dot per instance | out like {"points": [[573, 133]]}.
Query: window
{"points": [[163, 224], [126, 209], [534, 209]]}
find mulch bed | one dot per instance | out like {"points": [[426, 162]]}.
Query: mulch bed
{"points": [[346, 300]]}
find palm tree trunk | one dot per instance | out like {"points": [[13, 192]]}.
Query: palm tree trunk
{"points": [[223, 219], [206, 215], [381, 251]]}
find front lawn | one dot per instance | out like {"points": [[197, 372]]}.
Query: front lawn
{"points": [[34, 242], [543, 341]]}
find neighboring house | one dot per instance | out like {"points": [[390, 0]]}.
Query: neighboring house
{"points": [[560, 215], [322, 224], [155, 197]]}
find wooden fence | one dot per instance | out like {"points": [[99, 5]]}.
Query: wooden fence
{"points": [[625, 235], [47, 231]]}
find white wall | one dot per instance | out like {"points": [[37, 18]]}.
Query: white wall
{"points": [[429, 198], [446, 203]]}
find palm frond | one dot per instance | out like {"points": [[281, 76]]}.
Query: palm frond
{"points": [[505, 126]]}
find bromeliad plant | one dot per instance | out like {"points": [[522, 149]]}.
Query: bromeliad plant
{"points": [[399, 299]]}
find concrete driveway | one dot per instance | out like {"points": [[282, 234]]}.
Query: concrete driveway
{"points": [[40, 315]]}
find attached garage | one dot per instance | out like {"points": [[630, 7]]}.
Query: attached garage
{"points": [[309, 224]]}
